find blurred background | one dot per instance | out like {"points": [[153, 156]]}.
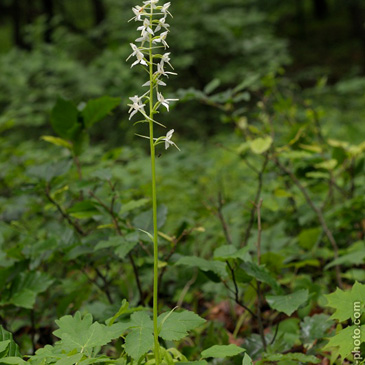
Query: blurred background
{"points": [[77, 50]]}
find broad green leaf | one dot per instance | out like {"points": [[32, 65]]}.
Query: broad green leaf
{"points": [[345, 301], [288, 304], [293, 356], [315, 327], [308, 237], [226, 252], [260, 273], [97, 109], [217, 267], [123, 309], [25, 288], [140, 340], [83, 210], [247, 360], [352, 258], [342, 344], [70, 360], [175, 326], [326, 165], [64, 118], [11, 349], [122, 244], [261, 145], [209, 88], [57, 141], [13, 360], [133, 204], [80, 333], [144, 221], [222, 351]]}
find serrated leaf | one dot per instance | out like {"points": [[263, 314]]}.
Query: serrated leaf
{"points": [[261, 145], [315, 327], [343, 301], [175, 326], [342, 344], [64, 118], [288, 304], [293, 356], [140, 340], [222, 351], [260, 273], [81, 334], [97, 109], [11, 349], [25, 288], [217, 267], [57, 141]]}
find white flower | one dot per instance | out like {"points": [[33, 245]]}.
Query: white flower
{"points": [[143, 39], [161, 38], [138, 12], [165, 58], [137, 106], [164, 9], [161, 71], [162, 24], [145, 28], [159, 82], [168, 141], [163, 101], [151, 3], [138, 54]]}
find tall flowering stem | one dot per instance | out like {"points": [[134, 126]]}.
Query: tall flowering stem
{"points": [[154, 31]]}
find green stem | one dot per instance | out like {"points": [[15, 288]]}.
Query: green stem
{"points": [[154, 208]]}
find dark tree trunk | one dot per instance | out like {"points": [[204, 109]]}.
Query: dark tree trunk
{"points": [[99, 11], [17, 24], [320, 9], [48, 8], [357, 18]]}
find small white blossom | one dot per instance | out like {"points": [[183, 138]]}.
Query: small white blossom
{"points": [[161, 70], [145, 28], [138, 54], [159, 82], [166, 58], [162, 24], [161, 38], [168, 141], [143, 39], [165, 8], [151, 3], [137, 106], [138, 12], [163, 101]]}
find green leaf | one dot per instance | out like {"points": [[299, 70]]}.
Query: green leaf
{"points": [[260, 273], [293, 356], [352, 258], [315, 327], [140, 340], [144, 221], [344, 301], [261, 145], [201, 362], [133, 204], [81, 334], [123, 309], [122, 244], [25, 288], [288, 304], [13, 360], [223, 253], [211, 86], [217, 267], [97, 109], [57, 141], [175, 326], [83, 210], [327, 165], [64, 118], [308, 237], [221, 351], [342, 344], [247, 360], [9, 347]]}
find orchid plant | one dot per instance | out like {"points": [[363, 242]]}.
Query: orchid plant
{"points": [[150, 53]]}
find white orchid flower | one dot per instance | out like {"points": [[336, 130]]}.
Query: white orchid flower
{"points": [[146, 28], [138, 54], [138, 12], [162, 24], [161, 38], [151, 3], [165, 8], [166, 59], [168, 141], [161, 70], [136, 106], [163, 101], [159, 82]]}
